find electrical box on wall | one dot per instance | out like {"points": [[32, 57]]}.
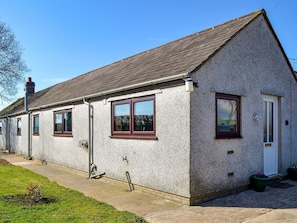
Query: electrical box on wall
{"points": [[83, 143]]}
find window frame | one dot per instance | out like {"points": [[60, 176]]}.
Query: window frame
{"points": [[34, 118], [62, 132], [237, 133], [19, 130], [132, 133]]}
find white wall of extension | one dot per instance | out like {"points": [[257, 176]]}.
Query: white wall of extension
{"points": [[251, 66]]}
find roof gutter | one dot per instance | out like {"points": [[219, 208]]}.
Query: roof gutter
{"points": [[116, 90]]}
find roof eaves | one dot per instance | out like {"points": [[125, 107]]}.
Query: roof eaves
{"points": [[116, 90], [11, 107]]}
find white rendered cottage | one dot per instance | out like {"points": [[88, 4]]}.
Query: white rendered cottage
{"points": [[191, 119]]}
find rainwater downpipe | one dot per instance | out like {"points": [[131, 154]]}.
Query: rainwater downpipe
{"points": [[90, 139], [8, 134], [29, 136], [29, 127]]}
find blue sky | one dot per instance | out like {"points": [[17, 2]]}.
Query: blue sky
{"points": [[65, 38]]}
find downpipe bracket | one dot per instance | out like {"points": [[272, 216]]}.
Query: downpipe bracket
{"points": [[97, 176]]}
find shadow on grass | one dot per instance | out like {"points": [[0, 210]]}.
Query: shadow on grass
{"points": [[4, 162]]}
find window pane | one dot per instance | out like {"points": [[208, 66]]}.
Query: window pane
{"points": [[122, 117], [36, 124], [58, 122], [67, 122], [19, 126], [270, 122], [227, 115], [19, 123], [143, 116], [265, 121]]}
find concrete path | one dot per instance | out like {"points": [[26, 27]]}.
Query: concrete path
{"points": [[275, 205]]}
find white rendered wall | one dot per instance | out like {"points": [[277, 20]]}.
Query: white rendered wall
{"points": [[251, 65], [161, 164]]}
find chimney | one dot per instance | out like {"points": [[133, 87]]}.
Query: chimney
{"points": [[30, 87]]}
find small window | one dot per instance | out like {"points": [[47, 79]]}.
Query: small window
{"points": [[1, 128], [36, 125], [19, 126], [63, 122], [134, 118], [227, 116]]}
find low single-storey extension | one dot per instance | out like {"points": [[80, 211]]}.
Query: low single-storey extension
{"points": [[191, 119]]}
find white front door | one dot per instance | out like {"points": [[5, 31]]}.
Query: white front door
{"points": [[270, 135]]}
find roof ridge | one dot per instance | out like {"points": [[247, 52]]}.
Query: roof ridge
{"points": [[258, 12]]}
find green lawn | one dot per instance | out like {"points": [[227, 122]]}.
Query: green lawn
{"points": [[62, 204]]}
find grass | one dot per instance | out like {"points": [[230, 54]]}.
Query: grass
{"points": [[64, 205]]}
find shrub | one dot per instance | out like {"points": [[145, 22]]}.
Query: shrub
{"points": [[35, 191]]}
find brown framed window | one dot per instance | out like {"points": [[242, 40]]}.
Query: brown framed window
{"points": [[134, 118], [63, 123], [35, 124], [227, 116], [19, 126]]}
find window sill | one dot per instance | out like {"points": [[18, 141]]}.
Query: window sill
{"points": [[138, 137], [63, 135], [36, 134], [228, 137]]}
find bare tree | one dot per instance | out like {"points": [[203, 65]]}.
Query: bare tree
{"points": [[12, 66]]}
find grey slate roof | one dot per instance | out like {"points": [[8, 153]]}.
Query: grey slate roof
{"points": [[181, 56]]}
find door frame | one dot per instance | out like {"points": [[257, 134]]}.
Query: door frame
{"points": [[274, 100]]}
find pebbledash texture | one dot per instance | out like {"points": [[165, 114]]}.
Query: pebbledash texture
{"points": [[190, 120]]}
